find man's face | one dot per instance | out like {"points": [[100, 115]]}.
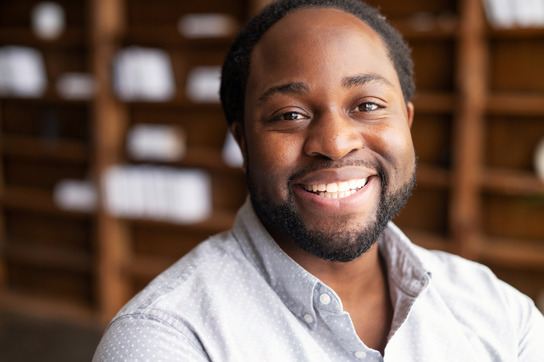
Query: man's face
{"points": [[327, 144]]}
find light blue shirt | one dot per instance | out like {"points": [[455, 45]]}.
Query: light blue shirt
{"points": [[239, 297]]}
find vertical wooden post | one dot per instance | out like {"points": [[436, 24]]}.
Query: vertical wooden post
{"points": [[110, 121], [468, 129]]}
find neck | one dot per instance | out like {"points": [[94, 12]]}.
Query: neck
{"points": [[363, 287], [360, 277]]}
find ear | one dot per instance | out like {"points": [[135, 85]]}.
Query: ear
{"points": [[237, 130], [410, 113]]}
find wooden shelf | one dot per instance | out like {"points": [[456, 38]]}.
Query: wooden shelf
{"points": [[43, 149], [49, 308], [178, 102], [219, 220], [168, 36], [146, 268], [199, 157], [512, 182], [433, 102], [426, 26], [70, 38], [516, 104], [50, 97], [515, 33], [429, 240], [429, 175], [48, 257], [24, 198], [512, 253]]}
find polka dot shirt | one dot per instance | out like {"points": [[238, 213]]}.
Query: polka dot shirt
{"points": [[239, 297]]}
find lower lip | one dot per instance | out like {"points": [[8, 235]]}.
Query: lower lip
{"points": [[340, 205]]}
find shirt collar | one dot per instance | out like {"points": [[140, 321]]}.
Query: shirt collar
{"points": [[297, 287]]}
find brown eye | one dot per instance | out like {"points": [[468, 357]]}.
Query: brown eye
{"points": [[291, 116], [368, 107]]}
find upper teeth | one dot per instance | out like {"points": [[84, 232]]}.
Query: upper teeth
{"points": [[337, 189]]}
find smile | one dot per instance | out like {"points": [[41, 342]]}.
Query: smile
{"points": [[337, 190]]}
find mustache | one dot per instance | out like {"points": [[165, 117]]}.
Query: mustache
{"points": [[328, 164]]}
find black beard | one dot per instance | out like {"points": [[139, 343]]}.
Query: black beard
{"points": [[325, 243]]}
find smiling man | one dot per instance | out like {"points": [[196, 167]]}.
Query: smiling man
{"points": [[317, 94]]}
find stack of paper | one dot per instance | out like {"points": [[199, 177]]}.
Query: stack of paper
{"points": [[203, 84], [208, 25], [143, 74], [156, 142], [75, 195], [22, 72], [159, 193], [515, 13]]}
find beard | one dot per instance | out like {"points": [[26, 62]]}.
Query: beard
{"points": [[336, 244]]}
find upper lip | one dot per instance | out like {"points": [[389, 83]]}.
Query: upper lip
{"points": [[332, 175]]}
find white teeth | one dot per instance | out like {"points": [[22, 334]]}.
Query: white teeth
{"points": [[337, 190], [343, 186]]}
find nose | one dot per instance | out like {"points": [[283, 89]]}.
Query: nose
{"points": [[333, 135]]}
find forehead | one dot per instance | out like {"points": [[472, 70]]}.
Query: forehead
{"points": [[321, 38]]}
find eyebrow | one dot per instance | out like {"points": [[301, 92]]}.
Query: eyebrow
{"points": [[288, 88], [359, 80]]}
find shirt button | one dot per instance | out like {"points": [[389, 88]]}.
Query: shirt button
{"points": [[324, 299], [360, 354], [308, 318]]}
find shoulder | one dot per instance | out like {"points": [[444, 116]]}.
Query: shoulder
{"points": [[200, 272]]}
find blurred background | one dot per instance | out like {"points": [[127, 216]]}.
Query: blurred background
{"points": [[115, 158]]}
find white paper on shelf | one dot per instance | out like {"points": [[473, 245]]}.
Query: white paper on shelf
{"points": [[500, 13], [231, 153], [48, 20], [203, 84], [22, 71], [152, 142], [75, 195], [159, 193], [191, 196], [530, 13], [206, 25], [143, 74], [76, 85]]}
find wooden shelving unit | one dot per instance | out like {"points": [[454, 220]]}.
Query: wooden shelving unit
{"points": [[475, 129]]}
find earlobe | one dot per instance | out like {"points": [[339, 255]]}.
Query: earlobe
{"points": [[237, 130], [410, 113]]}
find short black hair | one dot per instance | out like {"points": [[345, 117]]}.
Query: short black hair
{"points": [[235, 71]]}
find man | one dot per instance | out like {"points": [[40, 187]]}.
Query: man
{"points": [[317, 94]]}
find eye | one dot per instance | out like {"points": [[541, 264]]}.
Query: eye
{"points": [[368, 107], [289, 116]]}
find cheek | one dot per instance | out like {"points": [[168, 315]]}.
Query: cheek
{"points": [[272, 160], [395, 145]]}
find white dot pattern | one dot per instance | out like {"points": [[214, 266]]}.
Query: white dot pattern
{"points": [[238, 297]]}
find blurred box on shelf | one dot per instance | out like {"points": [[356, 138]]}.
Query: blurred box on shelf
{"points": [[22, 72], [76, 86], [76, 195], [504, 14], [210, 25], [48, 20], [152, 142], [158, 193], [143, 74], [203, 84]]}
